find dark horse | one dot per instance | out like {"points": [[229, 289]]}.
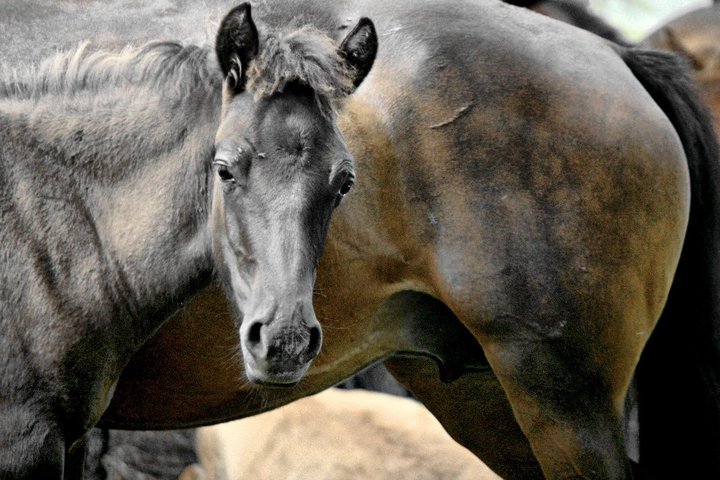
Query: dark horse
{"points": [[532, 202], [127, 177]]}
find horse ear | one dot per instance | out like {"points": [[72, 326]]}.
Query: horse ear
{"points": [[236, 43], [676, 45], [359, 49]]}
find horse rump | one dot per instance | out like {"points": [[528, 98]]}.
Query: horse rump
{"points": [[678, 377]]}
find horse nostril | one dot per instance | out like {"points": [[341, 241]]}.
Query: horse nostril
{"points": [[315, 342], [253, 336]]}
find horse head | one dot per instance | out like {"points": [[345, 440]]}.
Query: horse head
{"points": [[282, 167]]}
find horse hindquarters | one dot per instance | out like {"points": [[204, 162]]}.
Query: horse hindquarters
{"points": [[678, 375], [560, 255]]}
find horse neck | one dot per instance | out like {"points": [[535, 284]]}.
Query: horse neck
{"points": [[157, 218], [139, 163]]}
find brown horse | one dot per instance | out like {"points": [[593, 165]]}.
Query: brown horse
{"points": [[696, 35], [519, 218], [123, 175]]}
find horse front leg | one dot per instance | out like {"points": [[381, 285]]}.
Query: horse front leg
{"points": [[475, 412]]}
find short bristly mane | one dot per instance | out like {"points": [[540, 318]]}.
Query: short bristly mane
{"points": [[304, 56], [161, 65]]}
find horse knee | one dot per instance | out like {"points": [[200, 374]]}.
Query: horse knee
{"points": [[30, 448]]}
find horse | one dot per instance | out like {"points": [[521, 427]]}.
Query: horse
{"points": [[695, 35], [382, 436], [508, 249], [129, 454], [129, 179], [523, 221]]}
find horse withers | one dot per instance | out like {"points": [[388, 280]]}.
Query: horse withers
{"points": [[127, 179]]}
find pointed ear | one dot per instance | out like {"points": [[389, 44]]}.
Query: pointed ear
{"points": [[359, 49], [236, 42], [676, 45]]}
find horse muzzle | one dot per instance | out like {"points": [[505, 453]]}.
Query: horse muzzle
{"points": [[278, 349]]}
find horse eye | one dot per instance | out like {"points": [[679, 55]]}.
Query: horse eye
{"points": [[346, 187], [225, 174]]}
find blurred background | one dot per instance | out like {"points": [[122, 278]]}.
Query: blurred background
{"points": [[636, 18]]}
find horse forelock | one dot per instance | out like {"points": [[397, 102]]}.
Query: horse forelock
{"points": [[304, 56], [156, 65]]}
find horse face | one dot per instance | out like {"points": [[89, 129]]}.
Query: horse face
{"points": [[277, 182], [281, 168]]}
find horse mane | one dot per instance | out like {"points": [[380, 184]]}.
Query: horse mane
{"points": [[159, 65], [305, 57]]}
